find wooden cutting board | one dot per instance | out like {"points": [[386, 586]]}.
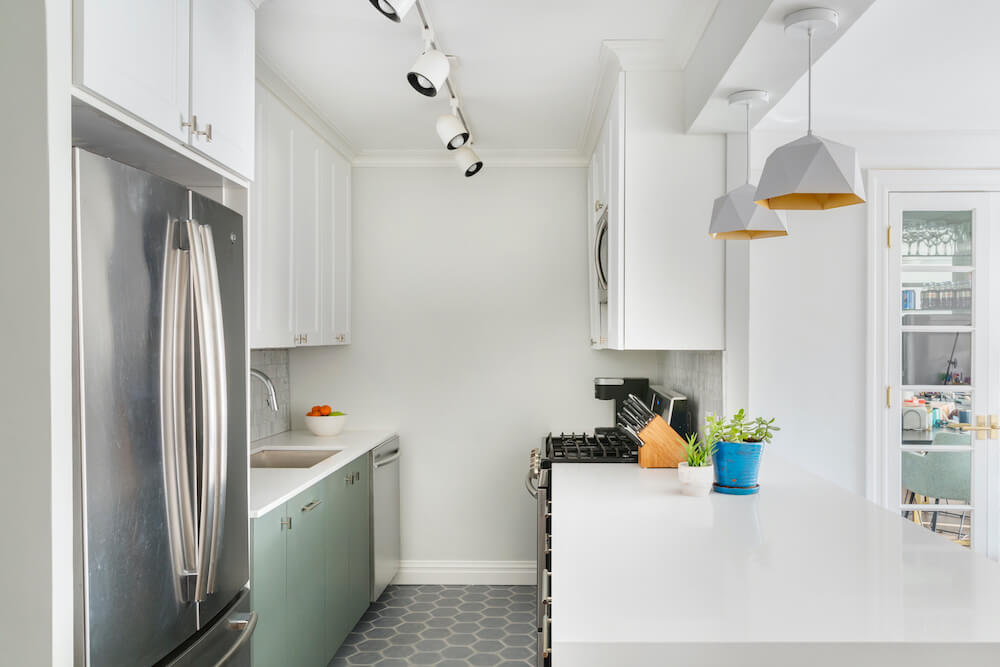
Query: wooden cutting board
{"points": [[664, 447]]}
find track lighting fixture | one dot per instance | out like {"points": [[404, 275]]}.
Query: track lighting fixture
{"points": [[468, 161], [430, 72], [428, 76], [451, 129], [394, 10], [811, 173], [735, 215]]}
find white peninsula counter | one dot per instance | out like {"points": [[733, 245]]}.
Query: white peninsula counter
{"points": [[805, 573]]}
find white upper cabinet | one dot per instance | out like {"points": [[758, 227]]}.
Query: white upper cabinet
{"points": [[170, 63], [136, 54], [270, 310], [308, 189], [300, 236], [222, 81], [665, 275], [336, 271]]}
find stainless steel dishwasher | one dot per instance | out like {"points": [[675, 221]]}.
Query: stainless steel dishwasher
{"points": [[385, 549]]}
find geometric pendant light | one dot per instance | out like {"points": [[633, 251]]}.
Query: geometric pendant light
{"points": [[811, 173], [735, 215]]}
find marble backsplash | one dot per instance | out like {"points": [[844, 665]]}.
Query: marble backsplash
{"points": [[697, 375], [264, 421]]}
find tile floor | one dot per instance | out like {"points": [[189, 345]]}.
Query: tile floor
{"points": [[447, 626]]}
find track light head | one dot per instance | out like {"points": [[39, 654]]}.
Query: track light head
{"points": [[394, 10], [429, 73], [451, 129], [468, 161]]}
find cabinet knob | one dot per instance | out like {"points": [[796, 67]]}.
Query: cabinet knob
{"points": [[597, 205]]}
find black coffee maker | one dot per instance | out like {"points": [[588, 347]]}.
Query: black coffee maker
{"points": [[618, 389]]}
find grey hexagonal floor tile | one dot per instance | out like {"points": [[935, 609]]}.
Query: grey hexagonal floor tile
{"points": [[444, 626]]}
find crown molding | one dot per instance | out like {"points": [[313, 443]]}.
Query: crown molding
{"points": [[617, 56], [491, 158], [276, 82]]}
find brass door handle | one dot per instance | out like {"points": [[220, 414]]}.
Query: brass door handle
{"points": [[981, 429]]}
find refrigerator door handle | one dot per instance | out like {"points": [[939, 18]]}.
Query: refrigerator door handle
{"points": [[221, 404], [176, 466], [207, 525], [246, 623]]}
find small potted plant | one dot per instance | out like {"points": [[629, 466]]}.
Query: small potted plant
{"points": [[697, 473], [738, 444]]}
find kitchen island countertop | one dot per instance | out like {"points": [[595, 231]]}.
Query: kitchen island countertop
{"points": [[270, 487], [805, 573]]}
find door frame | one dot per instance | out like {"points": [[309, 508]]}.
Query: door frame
{"points": [[881, 182]]}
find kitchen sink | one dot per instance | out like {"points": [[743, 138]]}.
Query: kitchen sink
{"points": [[290, 458]]}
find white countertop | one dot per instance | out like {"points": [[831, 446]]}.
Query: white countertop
{"points": [[270, 487], [803, 573]]}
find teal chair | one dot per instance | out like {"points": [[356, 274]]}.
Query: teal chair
{"points": [[938, 475]]}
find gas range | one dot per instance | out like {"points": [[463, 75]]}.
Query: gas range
{"points": [[604, 445]]}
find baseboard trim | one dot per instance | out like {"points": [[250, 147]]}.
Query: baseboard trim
{"points": [[466, 572]]}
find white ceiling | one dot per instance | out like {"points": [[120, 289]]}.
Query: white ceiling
{"points": [[906, 65], [526, 73]]}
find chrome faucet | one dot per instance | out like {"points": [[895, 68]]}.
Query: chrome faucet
{"points": [[272, 397]]}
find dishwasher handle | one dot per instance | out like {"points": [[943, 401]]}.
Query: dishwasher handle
{"points": [[386, 460]]}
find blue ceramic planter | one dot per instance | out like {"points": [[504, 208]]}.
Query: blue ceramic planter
{"points": [[736, 467]]}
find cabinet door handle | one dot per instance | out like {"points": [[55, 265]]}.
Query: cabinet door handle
{"points": [[207, 132], [311, 506], [193, 124], [286, 523]]}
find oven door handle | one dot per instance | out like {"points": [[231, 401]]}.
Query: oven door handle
{"points": [[529, 484]]}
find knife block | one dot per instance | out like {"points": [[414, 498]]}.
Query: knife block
{"points": [[664, 447]]}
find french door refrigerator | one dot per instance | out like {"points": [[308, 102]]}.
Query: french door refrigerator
{"points": [[160, 423]]}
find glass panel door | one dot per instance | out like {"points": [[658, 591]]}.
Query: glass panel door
{"points": [[938, 364]]}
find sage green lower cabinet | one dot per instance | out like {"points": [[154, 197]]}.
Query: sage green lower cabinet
{"points": [[306, 557], [267, 588], [348, 582], [310, 572]]}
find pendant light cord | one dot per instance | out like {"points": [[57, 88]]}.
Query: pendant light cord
{"points": [[810, 77], [748, 144]]}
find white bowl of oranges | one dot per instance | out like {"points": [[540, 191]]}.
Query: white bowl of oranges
{"points": [[322, 420]]}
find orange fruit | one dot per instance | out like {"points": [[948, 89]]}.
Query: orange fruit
{"points": [[314, 408], [325, 410]]}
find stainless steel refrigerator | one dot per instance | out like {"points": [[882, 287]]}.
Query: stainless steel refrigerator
{"points": [[160, 416]]}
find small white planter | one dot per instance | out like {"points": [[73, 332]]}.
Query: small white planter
{"points": [[682, 472], [698, 481]]}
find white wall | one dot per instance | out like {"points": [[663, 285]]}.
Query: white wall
{"points": [[36, 608], [470, 329], [807, 299]]}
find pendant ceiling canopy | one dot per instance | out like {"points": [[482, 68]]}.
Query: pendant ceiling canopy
{"points": [[735, 215], [811, 173]]}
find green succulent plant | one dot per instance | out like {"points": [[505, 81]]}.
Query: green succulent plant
{"points": [[739, 428], [699, 453]]}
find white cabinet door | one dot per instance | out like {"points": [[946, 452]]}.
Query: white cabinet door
{"points": [[271, 233], [307, 247], [222, 81], [337, 271], [136, 55]]}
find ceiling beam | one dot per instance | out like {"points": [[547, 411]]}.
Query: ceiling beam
{"points": [[744, 46]]}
